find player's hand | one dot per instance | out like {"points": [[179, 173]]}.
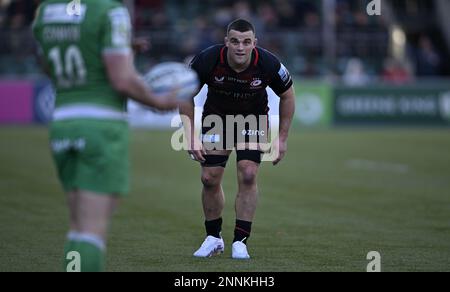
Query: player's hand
{"points": [[163, 105], [197, 152], [280, 146], [141, 44], [167, 103]]}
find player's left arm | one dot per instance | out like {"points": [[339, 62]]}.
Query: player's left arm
{"points": [[287, 110], [282, 85]]}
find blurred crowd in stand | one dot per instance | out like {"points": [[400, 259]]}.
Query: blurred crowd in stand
{"points": [[292, 29]]}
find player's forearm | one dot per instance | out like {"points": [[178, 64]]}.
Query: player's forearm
{"points": [[136, 89], [187, 113], [287, 110], [126, 80]]}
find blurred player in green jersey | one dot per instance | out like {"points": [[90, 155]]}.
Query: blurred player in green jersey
{"points": [[85, 48]]}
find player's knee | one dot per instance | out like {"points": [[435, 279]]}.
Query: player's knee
{"points": [[210, 180], [247, 175]]}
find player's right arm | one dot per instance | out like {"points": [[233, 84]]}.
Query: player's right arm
{"points": [[118, 60], [124, 78], [200, 64], [187, 113]]}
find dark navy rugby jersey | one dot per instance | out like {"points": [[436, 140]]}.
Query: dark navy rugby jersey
{"points": [[232, 93]]}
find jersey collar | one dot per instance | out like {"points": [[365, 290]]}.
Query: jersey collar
{"points": [[224, 60]]}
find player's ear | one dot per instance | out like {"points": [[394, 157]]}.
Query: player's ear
{"points": [[256, 42], [225, 39]]}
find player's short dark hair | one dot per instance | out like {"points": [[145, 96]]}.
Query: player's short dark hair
{"points": [[241, 25]]}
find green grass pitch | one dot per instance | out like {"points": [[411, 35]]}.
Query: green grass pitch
{"points": [[337, 195]]}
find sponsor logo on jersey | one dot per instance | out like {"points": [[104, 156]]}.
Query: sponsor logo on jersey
{"points": [[57, 13], [284, 74], [214, 138], [219, 79], [260, 133], [120, 27], [236, 80]]}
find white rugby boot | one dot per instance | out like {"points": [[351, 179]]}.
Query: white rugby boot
{"points": [[210, 247], [239, 251]]}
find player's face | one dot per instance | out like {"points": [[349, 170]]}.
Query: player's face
{"points": [[240, 46]]}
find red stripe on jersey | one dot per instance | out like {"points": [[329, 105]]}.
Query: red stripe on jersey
{"points": [[222, 60], [256, 57]]}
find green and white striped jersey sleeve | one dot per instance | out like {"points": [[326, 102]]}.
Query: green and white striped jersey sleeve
{"points": [[118, 30]]}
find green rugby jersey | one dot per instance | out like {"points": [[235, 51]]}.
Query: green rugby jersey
{"points": [[72, 40]]}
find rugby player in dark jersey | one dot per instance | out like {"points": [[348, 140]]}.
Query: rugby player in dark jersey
{"points": [[235, 117]]}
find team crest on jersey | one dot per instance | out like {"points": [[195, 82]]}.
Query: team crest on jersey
{"points": [[219, 79], [256, 83]]}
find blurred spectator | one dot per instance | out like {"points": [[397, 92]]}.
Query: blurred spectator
{"points": [[3, 5], [307, 12], [427, 58], [241, 9], [198, 38], [396, 72], [355, 74], [150, 14], [268, 17], [20, 13], [344, 16], [312, 20], [310, 68], [287, 14]]}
